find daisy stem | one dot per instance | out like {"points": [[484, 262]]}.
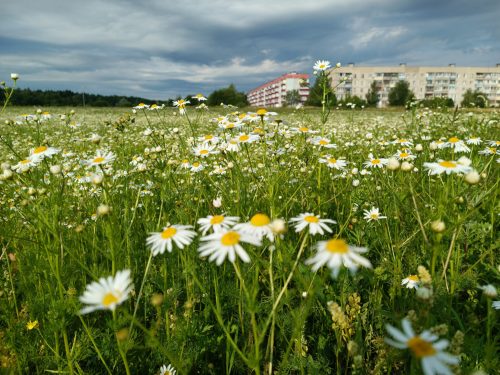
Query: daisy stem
{"points": [[122, 353], [140, 291]]}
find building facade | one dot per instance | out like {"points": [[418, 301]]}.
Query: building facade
{"points": [[425, 81], [273, 93]]}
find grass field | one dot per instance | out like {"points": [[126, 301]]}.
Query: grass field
{"points": [[249, 242]]}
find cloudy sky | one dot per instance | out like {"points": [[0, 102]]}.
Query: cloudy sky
{"points": [[159, 49]]}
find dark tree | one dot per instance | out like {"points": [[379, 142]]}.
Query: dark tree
{"points": [[228, 95], [400, 94], [316, 93], [474, 99], [292, 97], [372, 95]]}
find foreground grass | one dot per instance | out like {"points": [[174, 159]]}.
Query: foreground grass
{"points": [[61, 231]]}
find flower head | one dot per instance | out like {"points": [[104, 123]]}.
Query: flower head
{"points": [[259, 226], [100, 159], [107, 293], [216, 223], [181, 235], [446, 166], [322, 65], [411, 281], [313, 222], [373, 214], [226, 243], [167, 370]]}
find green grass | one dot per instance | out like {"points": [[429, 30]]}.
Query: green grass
{"points": [[271, 314]]}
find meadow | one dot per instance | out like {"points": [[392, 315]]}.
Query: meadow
{"points": [[225, 240]]}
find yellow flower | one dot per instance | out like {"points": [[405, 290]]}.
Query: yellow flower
{"points": [[32, 325]]}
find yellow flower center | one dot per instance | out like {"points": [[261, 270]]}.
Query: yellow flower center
{"points": [[244, 138], [258, 131], [154, 106], [208, 137], [230, 125], [141, 105], [217, 219], [453, 140], [185, 161], [420, 348], [375, 161], [337, 246], [311, 219], [493, 150], [168, 233], [402, 140], [98, 159], [40, 149], [413, 278], [25, 161], [404, 155], [108, 299], [374, 216], [196, 164], [203, 152], [261, 112], [230, 238], [259, 220], [303, 129], [332, 160], [448, 164], [323, 142]]}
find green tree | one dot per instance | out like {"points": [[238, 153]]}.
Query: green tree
{"points": [[228, 95], [474, 99], [400, 94], [292, 97], [316, 93], [372, 95]]}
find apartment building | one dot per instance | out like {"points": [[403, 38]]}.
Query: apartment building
{"points": [[425, 81], [273, 93]]}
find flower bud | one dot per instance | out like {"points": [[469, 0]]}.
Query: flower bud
{"points": [[438, 226], [472, 177]]}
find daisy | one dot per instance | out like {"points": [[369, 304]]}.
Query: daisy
{"points": [[494, 143], [404, 155], [331, 162], [141, 106], [208, 138], [447, 166], [100, 159], [196, 166], [167, 370], [259, 226], [228, 125], [216, 223], [335, 253], [411, 282], [474, 141], [305, 130], [199, 97], [489, 151], [25, 165], [185, 164], [232, 146], [496, 305], [323, 142], [43, 152], [457, 145], [181, 104], [322, 65], [374, 162], [402, 142], [181, 235], [315, 224], [373, 214], [227, 243], [204, 150], [107, 293], [247, 138], [424, 347]]}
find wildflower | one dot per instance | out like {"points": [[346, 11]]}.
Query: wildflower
{"points": [[404, 155], [181, 235], [32, 325], [323, 142], [474, 141], [496, 305], [464, 160], [411, 282], [494, 143], [457, 145], [315, 224], [217, 202], [403, 142], [227, 243], [181, 104], [489, 290], [446, 166], [322, 65], [405, 166], [103, 210], [335, 253], [25, 165], [424, 347], [14, 76], [208, 138], [199, 97], [216, 223], [489, 151], [392, 164], [196, 166], [373, 214], [305, 130], [107, 293], [42, 152], [259, 226], [472, 177], [204, 150], [331, 162], [246, 138], [55, 169], [375, 162], [100, 159], [141, 106], [167, 370]]}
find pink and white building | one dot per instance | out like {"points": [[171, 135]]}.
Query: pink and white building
{"points": [[273, 93]]}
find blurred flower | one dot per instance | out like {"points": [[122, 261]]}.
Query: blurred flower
{"points": [[489, 290], [258, 226], [181, 235], [373, 214], [411, 282], [446, 166], [226, 243], [32, 325], [167, 370], [313, 222], [322, 65], [216, 223]]}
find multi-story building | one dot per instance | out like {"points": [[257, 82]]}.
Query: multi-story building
{"points": [[425, 81], [273, 93]]}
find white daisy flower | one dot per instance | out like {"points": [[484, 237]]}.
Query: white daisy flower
{"points": [[323, 142], [446, 166], [42, 152], [100, 159], [336, 253], [474, 141], [258, 226], [373, 214], [489, 151], [424, 347], [25, 165], [494, 143], [457, 145], [331, 162], [322, 65], [209, 138], [375, 162], [141, 106], [167, 370], [315, 224], [107, 293], [411, 282], [404, 155], [199, 97], [181, 235], [231, 146], [204, 150], [246, 138], [227, 243], [216, 223], [196, 166], [402, 142]]}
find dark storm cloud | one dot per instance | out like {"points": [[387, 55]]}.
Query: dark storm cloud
{"points": [[162, 49]]}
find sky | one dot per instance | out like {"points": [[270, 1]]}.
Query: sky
{"points": [[160, 49]]}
